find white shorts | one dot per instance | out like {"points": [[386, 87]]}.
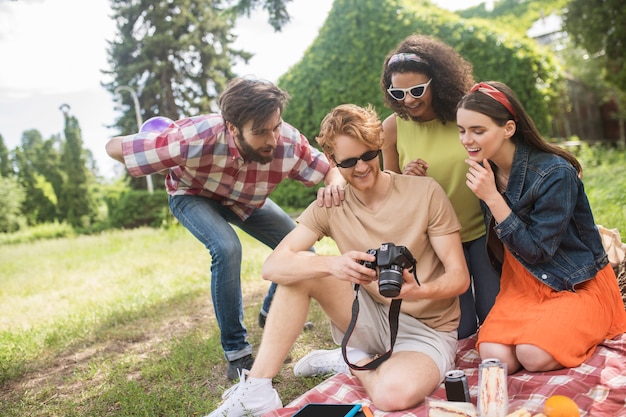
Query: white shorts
{"points": [[371, 335]]}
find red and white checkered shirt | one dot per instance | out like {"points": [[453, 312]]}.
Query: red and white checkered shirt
{"points": [[202, 159]]}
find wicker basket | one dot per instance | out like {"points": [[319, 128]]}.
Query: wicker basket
{"points": [[620, 273], [616, 250]]}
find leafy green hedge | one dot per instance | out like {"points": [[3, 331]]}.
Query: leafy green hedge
{"points": [[42, 231], [293, 196], [136, 208], [344, 63]]}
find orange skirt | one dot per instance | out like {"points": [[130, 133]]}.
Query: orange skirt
{"points": [[568, 325]]}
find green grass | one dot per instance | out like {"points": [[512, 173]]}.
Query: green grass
{"points": [[121, 324], [604, 176]]}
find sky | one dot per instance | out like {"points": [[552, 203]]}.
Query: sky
{"points": [[53, 52]]}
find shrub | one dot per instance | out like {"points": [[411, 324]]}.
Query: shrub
{"points": [[136, 208], [292, 195], [38, 232]]}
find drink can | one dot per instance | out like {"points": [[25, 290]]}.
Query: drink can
{"points": [[456, 385], [493, 397]]}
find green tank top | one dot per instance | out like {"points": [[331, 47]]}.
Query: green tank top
{"points": [[439, 146]]}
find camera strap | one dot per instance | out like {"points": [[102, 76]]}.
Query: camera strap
{"points": [[394, 312]]}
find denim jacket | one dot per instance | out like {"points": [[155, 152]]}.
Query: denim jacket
{"points": [[551, 230]]}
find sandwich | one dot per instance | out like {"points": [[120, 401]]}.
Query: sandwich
{"points": [[493, 399], [441, 408]]}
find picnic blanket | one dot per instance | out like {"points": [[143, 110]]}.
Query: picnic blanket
{"points": [[598, 386]]}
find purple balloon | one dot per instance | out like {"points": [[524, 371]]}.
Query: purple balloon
{"points": [[156, 124]]}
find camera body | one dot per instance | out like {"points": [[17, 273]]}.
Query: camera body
{"points": [[391, 260]]}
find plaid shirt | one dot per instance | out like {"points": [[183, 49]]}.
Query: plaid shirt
{"points": [[202, 159]]}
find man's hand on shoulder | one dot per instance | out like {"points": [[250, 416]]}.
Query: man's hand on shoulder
{"points": [[333, 191], [330, 195]]}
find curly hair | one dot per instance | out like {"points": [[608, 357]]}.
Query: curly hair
{"points": [[354, 121], [451, 75]]}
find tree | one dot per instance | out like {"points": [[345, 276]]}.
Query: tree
{"points": [[37, 163], [12, 194], [6, 169], [74, 199], [175, 55], [343, 65], [40, 206], [46, 161], [515, 15], [277, 10], [600, 28]]}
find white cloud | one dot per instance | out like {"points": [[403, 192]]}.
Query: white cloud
{"points": [[276, 52], [56, 46]]}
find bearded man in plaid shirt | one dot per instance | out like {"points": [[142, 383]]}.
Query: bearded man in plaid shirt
{"points": [[221, 169]]}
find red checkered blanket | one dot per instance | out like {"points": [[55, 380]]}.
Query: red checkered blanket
{"points": [[598, 386]]}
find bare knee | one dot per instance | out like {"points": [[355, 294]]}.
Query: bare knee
{"points": [[504, 353], [535, 359], [402, 383], [394, 395]]}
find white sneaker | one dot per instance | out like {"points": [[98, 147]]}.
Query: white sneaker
{"points": [[249, 398], [321, 362]]}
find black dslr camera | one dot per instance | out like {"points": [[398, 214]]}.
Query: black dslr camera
{"points": [[391, 260]]}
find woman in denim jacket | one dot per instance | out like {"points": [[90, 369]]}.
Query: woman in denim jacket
{"points": [[559, 297]]}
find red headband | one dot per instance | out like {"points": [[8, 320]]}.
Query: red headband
{"points": [[495, 94]]}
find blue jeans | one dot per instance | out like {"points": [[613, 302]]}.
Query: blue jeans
{"points": [[477, 301], [208, 220]]}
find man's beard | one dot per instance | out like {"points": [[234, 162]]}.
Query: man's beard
{"points": [[251, 154]]}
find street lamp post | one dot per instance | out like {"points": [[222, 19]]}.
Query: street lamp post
{"points": [[139, 122]]}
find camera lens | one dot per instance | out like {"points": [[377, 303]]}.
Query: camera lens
{"points": [[390, 281]]}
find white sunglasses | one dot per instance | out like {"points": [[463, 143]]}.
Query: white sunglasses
{"points": [[416, 91]]}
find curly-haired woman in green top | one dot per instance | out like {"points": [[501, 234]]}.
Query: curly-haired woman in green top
{"points": [[423, 79]]}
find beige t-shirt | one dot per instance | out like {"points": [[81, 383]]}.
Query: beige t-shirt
{"points": [[414, 209]]}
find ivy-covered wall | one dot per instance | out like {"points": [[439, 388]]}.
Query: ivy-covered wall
{"points": [[344, 63]]}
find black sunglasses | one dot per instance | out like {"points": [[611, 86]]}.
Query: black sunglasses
{"points": [[350, 162]]}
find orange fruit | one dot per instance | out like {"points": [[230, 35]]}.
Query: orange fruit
{"points": [[560, 406]]}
